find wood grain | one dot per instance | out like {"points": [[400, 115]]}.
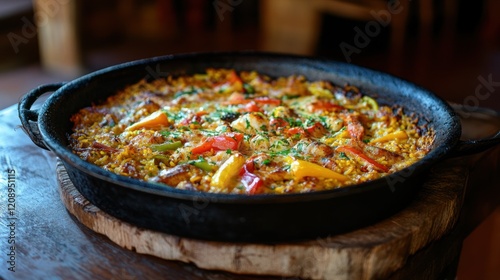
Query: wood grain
{"points": [[371, 252]]}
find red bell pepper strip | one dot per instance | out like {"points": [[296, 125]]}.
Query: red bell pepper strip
{"points": [[322, 105], [230, 141], [252, 107], [267, 100], [294, 130], [278, 122], [252, 183], [239, 98], [353, 152]]}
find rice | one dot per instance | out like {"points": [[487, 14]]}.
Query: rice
{"points": [[284, 134]]}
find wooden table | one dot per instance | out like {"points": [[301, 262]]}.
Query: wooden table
{"points": [[51, 244]]}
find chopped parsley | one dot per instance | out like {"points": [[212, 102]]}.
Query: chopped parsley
{"points": [[188, 91], [249, 88]]}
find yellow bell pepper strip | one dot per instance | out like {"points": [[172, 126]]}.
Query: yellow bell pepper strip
{"points": [[319, 91], [301, 168], [370, 102], [361, 157], [229, 141], [253, 183], [391, 136], [166, 146], [227, 171], [155, 120]]}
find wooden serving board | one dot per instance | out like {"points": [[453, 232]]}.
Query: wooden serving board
{"points": [[372, 252]]}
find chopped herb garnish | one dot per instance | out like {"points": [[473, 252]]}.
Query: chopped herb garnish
{"points": [[173, 134], [249, 88], [166, 146], [294, 122], [228, 116], [190, 90], [203, 164]]}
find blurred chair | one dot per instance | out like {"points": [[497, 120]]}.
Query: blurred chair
{"points": [[59, 26], [294, 26], [58, 36]]}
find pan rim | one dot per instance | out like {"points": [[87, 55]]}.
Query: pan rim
{"points": [[435, 155]]}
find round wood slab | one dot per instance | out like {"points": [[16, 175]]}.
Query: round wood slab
{"points": [[372, 252]]}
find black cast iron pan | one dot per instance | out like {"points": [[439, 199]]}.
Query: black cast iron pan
{"points": [[241, 218]]}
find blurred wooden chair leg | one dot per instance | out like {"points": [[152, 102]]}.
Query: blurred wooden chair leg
{"points": [[294, 25], [399, 27], [289, 25], [58, 37]]}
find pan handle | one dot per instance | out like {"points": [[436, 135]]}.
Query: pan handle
{"points": [[468, 147], [28, 117]]}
